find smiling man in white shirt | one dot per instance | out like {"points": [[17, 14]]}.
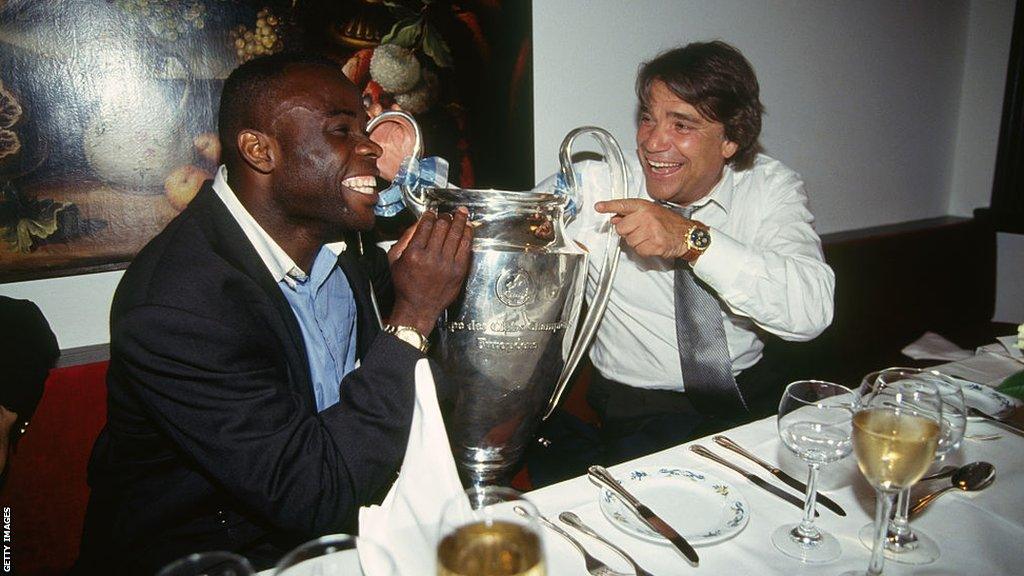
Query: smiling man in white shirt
{"points": [[718, 246]]}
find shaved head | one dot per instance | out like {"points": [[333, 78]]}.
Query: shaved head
{"points": [[252, 91]]}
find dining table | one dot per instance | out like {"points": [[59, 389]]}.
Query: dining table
{"points": [[978, 533]]}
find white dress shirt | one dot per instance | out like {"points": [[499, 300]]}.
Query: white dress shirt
{"points": [[278, 262], [765, 263]]}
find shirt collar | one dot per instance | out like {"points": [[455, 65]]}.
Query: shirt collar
{"points": [[721, 194], [277, 261]]}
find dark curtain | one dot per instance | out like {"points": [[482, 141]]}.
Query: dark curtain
{"points": [[1007, 208]]}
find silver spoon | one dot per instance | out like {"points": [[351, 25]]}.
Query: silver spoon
{"points": [[969, 477], [573, 520]]}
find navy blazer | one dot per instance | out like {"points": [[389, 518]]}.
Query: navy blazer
{"points": [[213, 440]]}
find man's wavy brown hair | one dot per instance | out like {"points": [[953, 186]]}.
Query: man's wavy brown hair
{"points": [[719, 82]]}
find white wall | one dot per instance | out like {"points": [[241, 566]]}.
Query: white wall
{"points": [[870, 100], [861, 96], [77, 307]]}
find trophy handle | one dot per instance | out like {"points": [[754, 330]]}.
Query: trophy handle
{"points": [[617, 165], [416, 202]]}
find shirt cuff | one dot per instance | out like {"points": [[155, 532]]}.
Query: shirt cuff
{"points": [[721, 264]]}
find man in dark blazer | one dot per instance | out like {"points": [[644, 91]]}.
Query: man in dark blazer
{"points": [[213, 439], [28, 350]]}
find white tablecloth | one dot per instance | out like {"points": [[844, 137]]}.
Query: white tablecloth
{"points": [[978, 533]]}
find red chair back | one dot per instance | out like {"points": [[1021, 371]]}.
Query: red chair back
{"points": [[46, 491]]}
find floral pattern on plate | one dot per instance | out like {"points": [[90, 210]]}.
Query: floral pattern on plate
{"points": [[703, 508]]}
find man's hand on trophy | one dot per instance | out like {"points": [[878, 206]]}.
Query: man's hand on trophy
{"points": [[650, 229], [428, 268], [397, 141]]}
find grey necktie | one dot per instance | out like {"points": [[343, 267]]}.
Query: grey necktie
{"points": [[703, 353]]}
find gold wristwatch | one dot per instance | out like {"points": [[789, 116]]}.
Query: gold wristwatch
{"points": [[409, 335], [696, 241]]}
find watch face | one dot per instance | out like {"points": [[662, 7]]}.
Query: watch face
{"points": [[700, 239]]}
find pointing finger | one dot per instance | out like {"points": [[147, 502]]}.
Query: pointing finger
{"points": [[623, 207]]}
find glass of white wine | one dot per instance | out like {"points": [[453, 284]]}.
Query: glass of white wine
{"points": [[815, 423], [895, 435], [902, 544], [485, 532]]}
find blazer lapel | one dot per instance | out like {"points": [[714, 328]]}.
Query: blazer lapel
{"points": [[236, 248]]}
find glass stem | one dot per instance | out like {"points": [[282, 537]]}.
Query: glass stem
{"points": [[900, 525], [883, 507], [807, 527]]}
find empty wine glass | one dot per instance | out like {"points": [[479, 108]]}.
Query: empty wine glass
{"points": [[902, 544], [895, 434], [336, 555], [815, 423], [490, 530], [208, 564]]}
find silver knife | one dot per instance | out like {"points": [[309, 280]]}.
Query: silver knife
{"points": [[756, 480], [778, 473], [644, 513]]}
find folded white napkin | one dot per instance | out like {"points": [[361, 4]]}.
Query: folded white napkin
{"points": [[931, 346], [406, 522], [988, 369], [1009, 344]]}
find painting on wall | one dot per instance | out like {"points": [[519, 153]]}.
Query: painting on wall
{"points": [[108, 107]]}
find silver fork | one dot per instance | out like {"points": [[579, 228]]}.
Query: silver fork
{"points": [[594, 566], [576, 522]]}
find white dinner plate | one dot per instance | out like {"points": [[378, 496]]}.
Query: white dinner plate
{"points": [[703, 508], [987, 399]]}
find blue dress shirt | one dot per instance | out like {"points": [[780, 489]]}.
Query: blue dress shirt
{"points": [[326, 310]]}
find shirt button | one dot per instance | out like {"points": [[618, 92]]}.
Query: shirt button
{"points": [[222, 517]]}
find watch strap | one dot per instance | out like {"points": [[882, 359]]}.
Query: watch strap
{"points": [[694, 250], [409, 335]]}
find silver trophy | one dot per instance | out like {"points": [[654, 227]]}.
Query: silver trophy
{"points": [[511, 341]]}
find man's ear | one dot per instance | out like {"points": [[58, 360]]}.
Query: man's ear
{"points": [[254, 147], [729, 148]]}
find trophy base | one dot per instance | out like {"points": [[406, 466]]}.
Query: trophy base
{"points": [[486, 466]]}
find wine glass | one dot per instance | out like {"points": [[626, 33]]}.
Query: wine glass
{"points": [[489, 530], [902, 544], [336, 555], [208, 564], [895, 435], [815, 423]]}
